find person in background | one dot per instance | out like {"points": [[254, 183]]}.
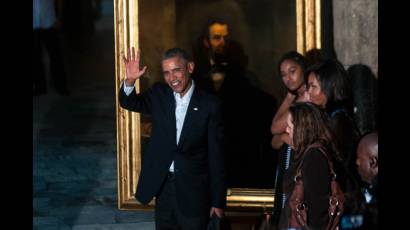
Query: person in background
{"points": [[365, 216], [46, 26], [364, 87], [328, 88], [368, 166]]}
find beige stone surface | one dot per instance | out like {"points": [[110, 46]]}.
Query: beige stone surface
{"points": [[355, 25]]}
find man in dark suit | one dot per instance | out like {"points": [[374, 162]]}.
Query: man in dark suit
{"points": [[184, 164], [367, 161]]}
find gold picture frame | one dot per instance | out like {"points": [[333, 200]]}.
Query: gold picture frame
{"points": [[308, 31]]}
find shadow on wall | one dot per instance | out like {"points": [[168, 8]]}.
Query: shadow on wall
{"points": [[364, 87]]}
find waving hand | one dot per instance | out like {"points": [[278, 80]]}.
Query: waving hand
{"points": [[132, 65]]}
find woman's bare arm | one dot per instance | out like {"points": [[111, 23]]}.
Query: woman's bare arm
{"points": [[279, 120]]}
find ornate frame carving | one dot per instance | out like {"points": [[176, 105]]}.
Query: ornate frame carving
{"points": [[128, 124]]}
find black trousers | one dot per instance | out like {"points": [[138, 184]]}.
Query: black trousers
{"points": [[49, 38], [168, 215]]}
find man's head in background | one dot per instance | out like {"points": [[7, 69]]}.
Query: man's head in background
{"points": [[367, 157]]}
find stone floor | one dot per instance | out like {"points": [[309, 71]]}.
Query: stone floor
{"points": [[74, 144]]}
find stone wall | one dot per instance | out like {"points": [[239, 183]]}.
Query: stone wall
{"points": [[355, 25]]}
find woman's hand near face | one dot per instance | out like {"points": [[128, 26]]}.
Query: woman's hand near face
{"points": [[304, 97]]}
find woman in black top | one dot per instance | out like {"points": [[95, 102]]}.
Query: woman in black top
{"points": [[328, 87], [327, 84]]}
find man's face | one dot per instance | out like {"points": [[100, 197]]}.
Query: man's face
{"points": [[218, 34], [177, 72], [367, 162]]}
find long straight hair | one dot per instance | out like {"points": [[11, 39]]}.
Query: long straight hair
{"points": [[310, 126]]}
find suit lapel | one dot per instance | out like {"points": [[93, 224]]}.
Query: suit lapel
{"points": [[191, 115]]}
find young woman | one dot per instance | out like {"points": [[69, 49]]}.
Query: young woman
{"points": [[291, 69], [312, 143]]}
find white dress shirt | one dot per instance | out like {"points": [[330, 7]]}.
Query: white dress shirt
{"points": [[181, 107], [128, 89]]}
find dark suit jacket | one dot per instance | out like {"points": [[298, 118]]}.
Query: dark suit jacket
{"points": [[198, 159]]}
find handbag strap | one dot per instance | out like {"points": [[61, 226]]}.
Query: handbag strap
{"points": [[321, 150], [336, 199]]}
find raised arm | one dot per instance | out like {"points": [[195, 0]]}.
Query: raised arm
{"points": [[132, 65], [279, 120], [140, 102], [279, 139]]}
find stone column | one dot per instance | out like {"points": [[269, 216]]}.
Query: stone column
{"points": [[355, 25]]}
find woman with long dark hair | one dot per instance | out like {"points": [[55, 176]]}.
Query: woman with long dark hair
{"points": [[327, 84], [328, 87], [312, 143]]}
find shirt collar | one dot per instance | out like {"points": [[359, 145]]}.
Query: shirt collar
{"points": [[187, 96]]}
